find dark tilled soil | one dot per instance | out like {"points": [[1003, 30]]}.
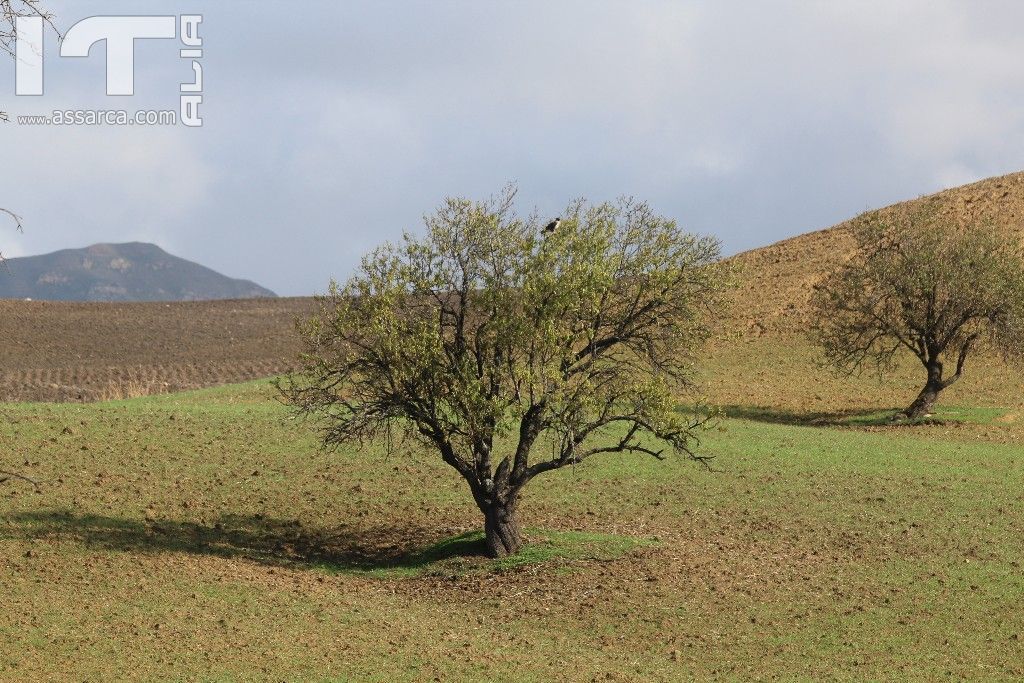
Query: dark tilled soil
{"points": [[57, 351]]}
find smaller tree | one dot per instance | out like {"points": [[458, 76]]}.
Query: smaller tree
{"points": [[923, 284], [511, 350]]}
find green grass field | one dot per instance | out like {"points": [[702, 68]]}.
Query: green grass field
{"points": [[204, 536]]}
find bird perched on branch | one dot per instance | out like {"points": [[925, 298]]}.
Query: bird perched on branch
{"points": [[552, 226]]}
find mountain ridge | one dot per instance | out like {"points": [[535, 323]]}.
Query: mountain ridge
{"points": [[127, 271]]}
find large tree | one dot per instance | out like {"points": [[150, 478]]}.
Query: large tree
{"points": [[924, 284], [490, 336]]}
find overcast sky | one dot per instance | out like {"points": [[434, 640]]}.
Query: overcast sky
{"points": [[334, 127]]}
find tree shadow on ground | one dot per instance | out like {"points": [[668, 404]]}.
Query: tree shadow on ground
{"points": [[863, 417], [267, 541]]}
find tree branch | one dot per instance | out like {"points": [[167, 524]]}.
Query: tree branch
{"points": [[5, 476]]}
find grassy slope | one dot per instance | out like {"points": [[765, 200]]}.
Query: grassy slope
{"points": [[204, 536]]}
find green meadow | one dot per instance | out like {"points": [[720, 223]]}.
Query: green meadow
{"points": [[205, 536]]}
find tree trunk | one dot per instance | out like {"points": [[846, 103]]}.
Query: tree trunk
{"points": [[501, 529], [925, 401]]}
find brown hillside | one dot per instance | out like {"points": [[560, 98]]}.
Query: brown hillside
{"points": [[777, 280], [62, 351]]}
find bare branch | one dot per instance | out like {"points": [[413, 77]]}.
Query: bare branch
{"points": [[6, 476]]}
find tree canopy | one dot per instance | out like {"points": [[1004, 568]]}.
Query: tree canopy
{"points": [[922, 283], [487, 336]]}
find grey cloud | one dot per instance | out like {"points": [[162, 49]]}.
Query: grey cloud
{"points": [[332, 129]]}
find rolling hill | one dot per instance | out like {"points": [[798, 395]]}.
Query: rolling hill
{"points": [[134, 271], [777, 280]]}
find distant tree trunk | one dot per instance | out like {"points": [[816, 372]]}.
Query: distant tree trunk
{"points": [[501, 527], [925, 401]]}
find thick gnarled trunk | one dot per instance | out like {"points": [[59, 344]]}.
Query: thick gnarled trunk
{"points": [[925, 401], [502, 535]]}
